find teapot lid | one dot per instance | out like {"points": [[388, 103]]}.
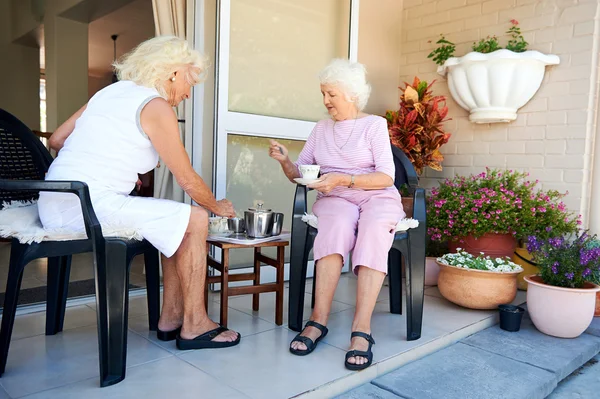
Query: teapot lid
{"points": [[259, 208]]}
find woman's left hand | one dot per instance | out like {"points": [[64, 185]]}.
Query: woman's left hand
{"points": [[328, 182]]}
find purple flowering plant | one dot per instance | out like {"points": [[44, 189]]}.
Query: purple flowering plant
{"points": [[566, 263], [496, 201]]}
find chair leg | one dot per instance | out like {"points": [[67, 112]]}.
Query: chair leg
{"points": [[59, 270], [415, 290], [152, 286], [300, 249], [112, 303], [395, 280], [314, 288], [13, 285]]}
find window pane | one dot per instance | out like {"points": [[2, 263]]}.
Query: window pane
{"points": [[253, 176], [277, 49]]}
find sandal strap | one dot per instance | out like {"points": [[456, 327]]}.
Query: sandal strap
{"points": [[316, 325], [366, 336], [305, 340], [355, 353], [209, 335]]}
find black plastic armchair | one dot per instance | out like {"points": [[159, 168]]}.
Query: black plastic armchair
{"points": [[409, 244], [23, 164]]}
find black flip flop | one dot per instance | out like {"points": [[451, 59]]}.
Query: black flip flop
{"points": [[310, 345], [167, 335], [205, 341], [354, 353]]}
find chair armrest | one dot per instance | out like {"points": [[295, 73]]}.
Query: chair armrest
{"points": [[300, 206], [419, 207], [90, 221]]}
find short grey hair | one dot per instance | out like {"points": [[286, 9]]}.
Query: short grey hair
{"points": [[350, 77]]}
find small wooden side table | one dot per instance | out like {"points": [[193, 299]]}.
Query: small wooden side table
{"points": [[256, 288]]}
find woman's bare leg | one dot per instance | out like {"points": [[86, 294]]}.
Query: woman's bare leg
{"points": [[330, 268], [369, 285]]}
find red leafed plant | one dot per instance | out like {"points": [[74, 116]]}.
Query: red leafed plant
{"points": [[416, 128]]}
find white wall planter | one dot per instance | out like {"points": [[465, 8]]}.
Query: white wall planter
{"points": [[492, 87]]}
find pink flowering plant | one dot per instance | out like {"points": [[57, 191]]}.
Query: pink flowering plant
{"points": [[498, 202], [566, 263]]}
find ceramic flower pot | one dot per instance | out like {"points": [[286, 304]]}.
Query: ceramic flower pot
{"points": [[477, 289], [522, 257], [492, 87], [494, 245], [432, 271], [597, 309], [558, 311]]}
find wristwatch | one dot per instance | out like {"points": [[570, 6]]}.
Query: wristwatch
{"points": [[351, 181]]}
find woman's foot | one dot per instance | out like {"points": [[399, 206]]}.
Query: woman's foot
{"points": [[359, 356], [305, 342], [209, 325]]}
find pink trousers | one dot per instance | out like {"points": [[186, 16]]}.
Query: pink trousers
{"points": [[363, 223]]}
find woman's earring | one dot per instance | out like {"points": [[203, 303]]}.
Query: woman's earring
{"points": [[173, 79]]}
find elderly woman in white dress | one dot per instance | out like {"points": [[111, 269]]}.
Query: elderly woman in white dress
{"points": [[120, 133], [358, 206]]}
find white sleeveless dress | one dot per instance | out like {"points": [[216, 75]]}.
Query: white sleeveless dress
{"points": [[107, 150]]}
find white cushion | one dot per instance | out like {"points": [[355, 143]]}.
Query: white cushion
{"points": [[20, 220], [403, 224]]}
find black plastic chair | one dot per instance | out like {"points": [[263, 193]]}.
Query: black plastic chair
{"points": [[410, 244], [23, 165]]}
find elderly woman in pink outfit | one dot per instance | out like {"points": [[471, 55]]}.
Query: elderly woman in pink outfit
{"points": [[357, 206]]}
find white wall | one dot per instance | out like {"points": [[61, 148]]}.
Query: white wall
{"points": [[553, 136]]}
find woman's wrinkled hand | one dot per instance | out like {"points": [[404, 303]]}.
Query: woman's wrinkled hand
{"points": [[278, 151], [328, 182], [224, 208]]}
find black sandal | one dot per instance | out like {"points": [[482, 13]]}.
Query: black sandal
{"points": [[167, 335], [206, 340], [354, 353], [310, 345]]}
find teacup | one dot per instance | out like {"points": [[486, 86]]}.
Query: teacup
{"points": [[217, 224], [309, 172]]}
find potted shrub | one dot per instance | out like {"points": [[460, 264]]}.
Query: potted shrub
{"points": [[595, 278], [480, 213], [417, 127], [561, 300], [492, 82], [545, 216], [477, 282]]}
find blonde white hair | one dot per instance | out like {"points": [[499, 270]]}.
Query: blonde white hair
{"points": [[350, 77], [155, 60]]}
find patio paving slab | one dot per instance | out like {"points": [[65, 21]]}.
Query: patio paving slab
{"points": [[558, 355], [594, 328], [368, 391], [465, 372], [583, 383]]}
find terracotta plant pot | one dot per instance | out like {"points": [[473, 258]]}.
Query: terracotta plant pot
{"points": [[560, 312], [494, 245], [407, 205], [477, 289], [432, 270], [522, 257], [597, 310]]}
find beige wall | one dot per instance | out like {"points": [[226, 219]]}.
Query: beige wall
{"points": [[378, 44], [97, 83], [554, 134], [19, 74]]}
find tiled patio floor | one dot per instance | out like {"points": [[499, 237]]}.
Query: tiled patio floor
{"points": [[66, 365]]}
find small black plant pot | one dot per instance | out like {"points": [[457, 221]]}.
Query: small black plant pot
{"points": [[510, 317]]}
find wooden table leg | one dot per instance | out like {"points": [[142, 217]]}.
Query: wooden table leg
{"points": [[279, 294], [256, 281], [206, 285], [224, 287]]}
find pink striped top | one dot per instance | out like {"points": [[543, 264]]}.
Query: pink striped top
{"points": [[352, 149]]}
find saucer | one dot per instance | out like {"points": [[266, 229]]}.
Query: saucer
{"points": [[305, 182]]}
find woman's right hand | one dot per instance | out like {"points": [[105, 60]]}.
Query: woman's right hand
{"points": [[224, 208], [278, 151]]}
